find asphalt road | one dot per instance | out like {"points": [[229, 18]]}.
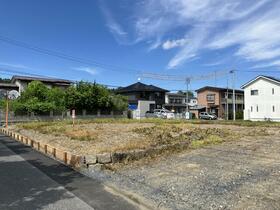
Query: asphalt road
{"points": [[30, 180]]}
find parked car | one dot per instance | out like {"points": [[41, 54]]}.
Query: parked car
{"points": [[164, 113], [150, 114], [207, 116]]}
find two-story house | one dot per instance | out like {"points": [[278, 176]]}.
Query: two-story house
{"points": [[143, 97], [262, 99], [177, 102], [22, 82], [220, 100]]}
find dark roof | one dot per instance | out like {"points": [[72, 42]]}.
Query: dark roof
{"points": [[136, 87], [42, 79], [218, 89], [277, 80]]}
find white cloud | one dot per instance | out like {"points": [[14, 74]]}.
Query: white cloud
{"points": [[88, 70], [275, 63], [258, 38], [12, 65], [154, 44], [169, 44], [114, 27], [252, 27], [214, 63]]}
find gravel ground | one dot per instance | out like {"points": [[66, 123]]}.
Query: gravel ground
{"points": [[243, 174]]}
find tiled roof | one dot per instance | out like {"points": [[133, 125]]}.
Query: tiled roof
{"points": [[136, 87]]}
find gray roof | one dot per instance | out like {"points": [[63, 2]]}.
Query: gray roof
{"points": [[42, 79], [274, 79], [136, 87]]}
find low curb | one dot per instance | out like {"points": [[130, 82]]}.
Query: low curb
{"points": [[72, 160]]}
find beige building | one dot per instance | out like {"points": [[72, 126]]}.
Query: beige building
{"points": [[22, 81], [219, 101]]}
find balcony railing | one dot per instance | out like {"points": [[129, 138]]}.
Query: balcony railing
{"points": [[230, 101]]}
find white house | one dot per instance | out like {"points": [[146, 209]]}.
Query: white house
{"points": [[262, 99]]}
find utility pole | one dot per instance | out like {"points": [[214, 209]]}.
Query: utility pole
{"points": [[7, 109], [227, 101], [233, 94], [187, 94]]}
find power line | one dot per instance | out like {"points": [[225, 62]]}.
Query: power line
{"points": [[64, 56], [13, 72], [259, 71], [168, 77]]}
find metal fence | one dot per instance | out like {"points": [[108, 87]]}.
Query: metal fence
{"points": [[14, 118]]}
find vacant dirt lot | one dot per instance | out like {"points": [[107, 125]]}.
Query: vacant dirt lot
{"points": [[99, 136], [243, 174]]}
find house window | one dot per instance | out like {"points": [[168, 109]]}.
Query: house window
{"points": [[273, 108], [251, 109], [254, 92], [210, 97], [272, 91], [257, 108]]}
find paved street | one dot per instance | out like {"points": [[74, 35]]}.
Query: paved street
{"points": [[30, 180]]}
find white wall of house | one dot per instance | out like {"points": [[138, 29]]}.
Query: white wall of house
{"points": [[264, 105], [193, 102], [21, 86], [143, 107]]}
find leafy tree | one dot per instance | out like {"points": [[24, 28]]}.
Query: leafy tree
{"points": [[5, 80], [92, 97], [38, 98], [119, 102], [57, 97], [190, 93]]}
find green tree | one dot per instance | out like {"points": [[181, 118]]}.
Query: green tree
{"points": [[92, 97], [190, 93], [38, 98]]}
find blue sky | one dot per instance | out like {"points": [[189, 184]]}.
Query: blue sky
{"points": [[120, 39]]}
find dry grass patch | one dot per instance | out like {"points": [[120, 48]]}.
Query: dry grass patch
{"points": [[81, 135], [119, 135], [197, 137]]}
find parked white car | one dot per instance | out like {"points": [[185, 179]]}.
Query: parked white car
{"points": [[164, 113], [207, 116]]}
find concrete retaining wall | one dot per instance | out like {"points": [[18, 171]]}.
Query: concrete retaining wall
{"points": [[67, 158], [77, 161]]}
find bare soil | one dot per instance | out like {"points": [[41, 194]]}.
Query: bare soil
{"points": [[89, 138]]}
